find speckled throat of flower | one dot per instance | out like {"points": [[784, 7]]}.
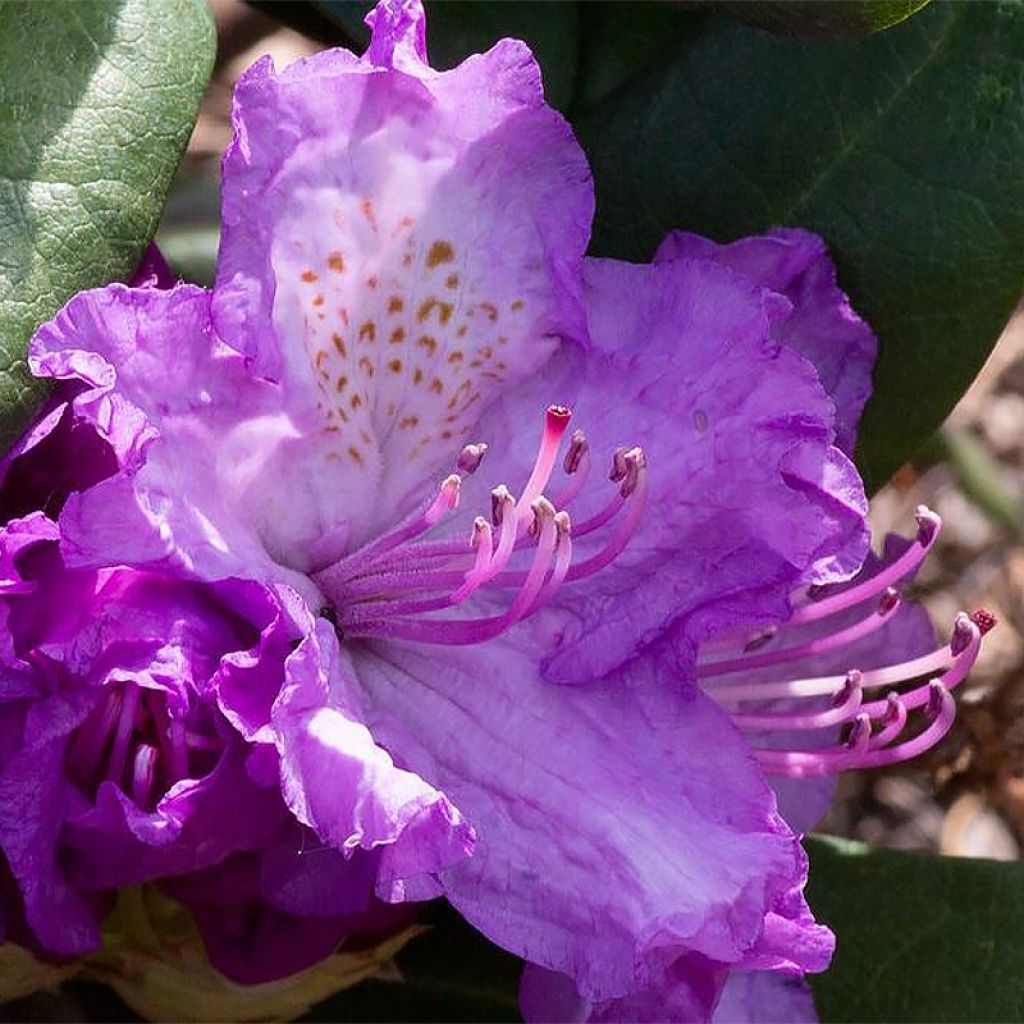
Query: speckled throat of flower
{"points": [[410, 369]]}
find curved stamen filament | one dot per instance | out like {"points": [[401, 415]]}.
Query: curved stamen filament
{"points": [[876, 749], [845, 706], [471, 631], [967, 655], [887, 605], [878, 728], [577, 466], [808, 763], [820, 686], [928, 527], [893, 721], [384, 588], [446, 500]]}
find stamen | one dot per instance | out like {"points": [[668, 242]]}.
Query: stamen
{"points": [[125, 728], [634, 486], [483, 541], [928, 526], [563, 558], [844, 706], [470, 458], [471, 631], [893, 721], [941, 710], [936, 661], [143, 774], [446, 500], [378, 590], [577, 453], [887, 604], [876, 750], [965, 645], [874, 738]]}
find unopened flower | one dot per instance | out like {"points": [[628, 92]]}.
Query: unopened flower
{"points": [[526, 493]]}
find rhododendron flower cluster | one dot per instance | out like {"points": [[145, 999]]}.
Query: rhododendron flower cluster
{"points": [[496, 572]]}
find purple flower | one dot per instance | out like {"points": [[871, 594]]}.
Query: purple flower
{"points": [[127, 758], [521, 689]]}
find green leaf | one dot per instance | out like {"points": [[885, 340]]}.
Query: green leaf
{"points": [[824, 19], [905, 150], [97, 101], [919, 937]]}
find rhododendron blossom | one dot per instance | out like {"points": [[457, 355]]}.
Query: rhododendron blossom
{"points": [[582, 538]]}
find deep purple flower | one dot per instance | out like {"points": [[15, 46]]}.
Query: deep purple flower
{"points": [[529, 710], [127, 757]]}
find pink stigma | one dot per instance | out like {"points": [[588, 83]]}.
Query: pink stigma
{"points": [[759, 681], [517, 558]]}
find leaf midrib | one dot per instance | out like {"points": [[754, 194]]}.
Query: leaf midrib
{"points": [[854, 141]]}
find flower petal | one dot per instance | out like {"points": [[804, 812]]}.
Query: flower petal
{"points": [[399, 244], [761, 997], [339, 782], [821, 324], [620, 824], [34, 800], [685, 990], [746, 494], [196, 439]]}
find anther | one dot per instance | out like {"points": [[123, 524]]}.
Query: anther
{"points": [[578, 448], [470, 458], [501, 503], [963, 632], [481, 532], [851, 684], [619, 468], [563, 523], [542, 510], [755, 643], [893, 719], [928, 525], [636, 463], [938, 696], [450, 487], [860, 735]]}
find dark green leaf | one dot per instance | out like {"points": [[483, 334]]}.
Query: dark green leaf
{"points": [[905, 150], [97, 101], [919, 938], [824, 19]]}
